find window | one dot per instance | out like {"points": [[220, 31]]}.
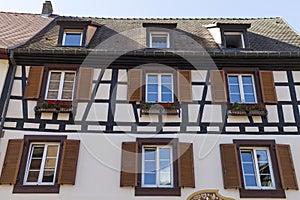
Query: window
{"points": [[157, 166], [60, 85], [234, 40], [72, 37], [42, 164], [257, 168], [39, 164], [159, 40], [241, 88], [159, 88]]}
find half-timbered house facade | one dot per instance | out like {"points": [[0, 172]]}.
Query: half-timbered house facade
{"points": [[105, 108]]}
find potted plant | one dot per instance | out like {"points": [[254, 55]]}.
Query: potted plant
{"points": [[258, 109], [237, 109], [157, 108], [55, 106]]}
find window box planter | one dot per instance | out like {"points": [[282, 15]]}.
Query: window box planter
{"points": [[159, 108], [238, 109], [55, 107]]}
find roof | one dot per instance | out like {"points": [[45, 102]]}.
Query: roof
{"points": [[265, 34], [17, 28]]}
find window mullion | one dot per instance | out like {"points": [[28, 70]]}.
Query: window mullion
{"points": [[61, 85], [241, 88], [159, 87], [256, 169], [40, 179]]}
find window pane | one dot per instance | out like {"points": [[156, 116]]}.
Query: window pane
{"points": [[250, 180], [166, 98], [35, 164], [249, 98], [152, 98], [166, 88], [261, 155], [247, 80], [54, 85], [246, 157], [50, 163], [166, 79], [233, 80], [165, 153], [150, 178], [67, 95], [233, 40], [52, 95], [55, 76], [248, 168], [165, 178], [150, 166], [69, 76], [149, 154], [153, 88], [72, 39], [266, 181], [159, 40], [235, 98], [38, 152], [33, 176], [234, 89], [68, 86], [248, 89], [52, 151], [152, 79], [48, 176]]}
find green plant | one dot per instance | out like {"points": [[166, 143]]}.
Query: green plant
{"points": [[237, 106]]}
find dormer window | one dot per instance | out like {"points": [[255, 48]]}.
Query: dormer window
{"points": [[72, 37], [234, 40], [159, 40]]}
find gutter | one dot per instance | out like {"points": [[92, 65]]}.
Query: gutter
{"points": [[6, 102]]}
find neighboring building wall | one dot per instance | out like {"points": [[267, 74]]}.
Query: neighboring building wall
{"points": [[3, 71]]}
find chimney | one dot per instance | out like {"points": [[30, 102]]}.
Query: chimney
{"points": [[47, 9]]}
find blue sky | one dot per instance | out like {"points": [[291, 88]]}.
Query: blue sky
{"points": [[289, 9]]}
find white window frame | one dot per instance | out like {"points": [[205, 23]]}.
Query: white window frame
{"points": [[167, 35], [159, 75], [40, 177], [242, 94], [235, 33], [157, 166], [61, 84], [256, 169], [66, 31]]}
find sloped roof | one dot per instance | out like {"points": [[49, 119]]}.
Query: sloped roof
{"points": [[265, 34], [17, 28]]}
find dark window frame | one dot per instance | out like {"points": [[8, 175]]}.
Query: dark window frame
{"points": [[249, 193], [19, 187], [139, 190], [254, 71]]}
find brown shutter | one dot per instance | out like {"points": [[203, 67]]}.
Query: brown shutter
{"points": [[186, 165], [68, 165], [286, 167], [230, 166], [267, 87], [34, 82], [85, 82], [129, 164], [135, 84], [218, 86], [11, 162], [184, 86]]}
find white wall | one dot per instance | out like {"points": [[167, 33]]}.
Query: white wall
{"points": [[98, 175]]}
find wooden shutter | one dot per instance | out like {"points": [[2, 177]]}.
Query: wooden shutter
{"points": [[184, 86], [230, 166], [286, 167], [34, 82], [267, 87], [68, 165], [134, 91], [85, 82], [218, 86], [11, 162], [186, 165], [129, 164]]}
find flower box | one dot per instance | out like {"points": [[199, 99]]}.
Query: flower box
{"points": [[55, 106], [237, 112], [159, 108], [240, 109], [257, 113]]}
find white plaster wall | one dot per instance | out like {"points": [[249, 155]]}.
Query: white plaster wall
{"points": [[216, 33], [98, 171], [3, 71]]}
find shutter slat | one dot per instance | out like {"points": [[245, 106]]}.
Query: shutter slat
{"points": [[134, 90], [267, 87], [129, 162], [186, 165], [68, 166], [85, 82], [34, 82], [184, 86], [11, 162], [230, 166], [218, 86], [286, 167]]}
